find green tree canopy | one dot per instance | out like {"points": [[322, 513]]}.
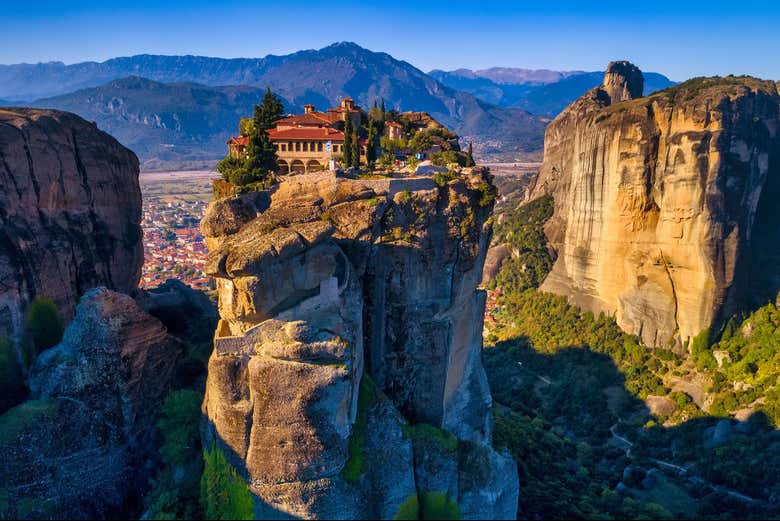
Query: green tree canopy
{"points": [[420, 142], [43, 324], [224, 495]]}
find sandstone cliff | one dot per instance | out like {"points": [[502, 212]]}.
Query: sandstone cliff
{"points": [[350, 332], [70, 208], [656, 199]]}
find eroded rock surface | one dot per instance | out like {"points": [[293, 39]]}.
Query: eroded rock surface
{"points": [[70, 208], [656, 199], [81, 447], [324, 283]]}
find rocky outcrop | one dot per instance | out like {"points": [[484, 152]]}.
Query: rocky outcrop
{"points": [[657, 198], [623, 81], [70, 208], [350, 314], [81, 447]]}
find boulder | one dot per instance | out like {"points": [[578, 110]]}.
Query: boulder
{"points": [[85, 445]]}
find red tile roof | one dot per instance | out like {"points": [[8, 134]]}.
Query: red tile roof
{"points": [[394, 124], [240, 140], [308, 119], [326, 133]]}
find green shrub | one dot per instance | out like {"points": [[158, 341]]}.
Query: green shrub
{"points": [[700, 350], [43, 324], [223, 493], [26, 416], [420, 142], [227, 166], [442, 178], [179, 424], [409, 509], [366, 399], [438, 505], [434, 505], [428, 433], [172, 498], [445, 158], [175, 491], [487, 193]]}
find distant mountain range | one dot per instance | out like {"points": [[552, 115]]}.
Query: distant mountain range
{"points": [[168, 125], [178, 111], [541, 92]]}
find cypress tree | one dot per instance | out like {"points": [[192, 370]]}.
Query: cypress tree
{"points": [[261, 153], [470, 156], [371, 145], [347, 148], [355, 151], [383, 109]]}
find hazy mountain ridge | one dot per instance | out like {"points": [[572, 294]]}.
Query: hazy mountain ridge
{"points": [[163, 122], [150, 116], [530, 92]]}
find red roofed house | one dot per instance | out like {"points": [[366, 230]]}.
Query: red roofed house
{"points": [[237, 146], [307, 142], [394, 131]]}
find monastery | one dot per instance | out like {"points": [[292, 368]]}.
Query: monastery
{"points": [[310, 141]]}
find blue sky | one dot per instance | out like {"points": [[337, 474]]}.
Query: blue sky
{"points": [[680, 39]]}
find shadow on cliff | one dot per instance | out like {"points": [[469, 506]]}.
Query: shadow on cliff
{"points": [[716, 466], [764, 256]]}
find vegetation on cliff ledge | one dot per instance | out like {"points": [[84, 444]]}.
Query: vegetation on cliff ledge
{"points": [[260, 163], [691, 89], [367, 397], [428, 505], [224, 493]]}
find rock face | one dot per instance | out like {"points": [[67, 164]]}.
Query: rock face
{"points": [[79, 449], [349, 311], [623, 81], [70, 208], [657, 198]]}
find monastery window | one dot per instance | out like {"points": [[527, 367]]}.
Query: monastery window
{"points": [[319, 146]]}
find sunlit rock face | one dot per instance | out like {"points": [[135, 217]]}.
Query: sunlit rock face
{"points": [[326, 282], [656, 199], [70, 212]]}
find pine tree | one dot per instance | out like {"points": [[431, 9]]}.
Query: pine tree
{"points": [[347, 148], [470, 156]]}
